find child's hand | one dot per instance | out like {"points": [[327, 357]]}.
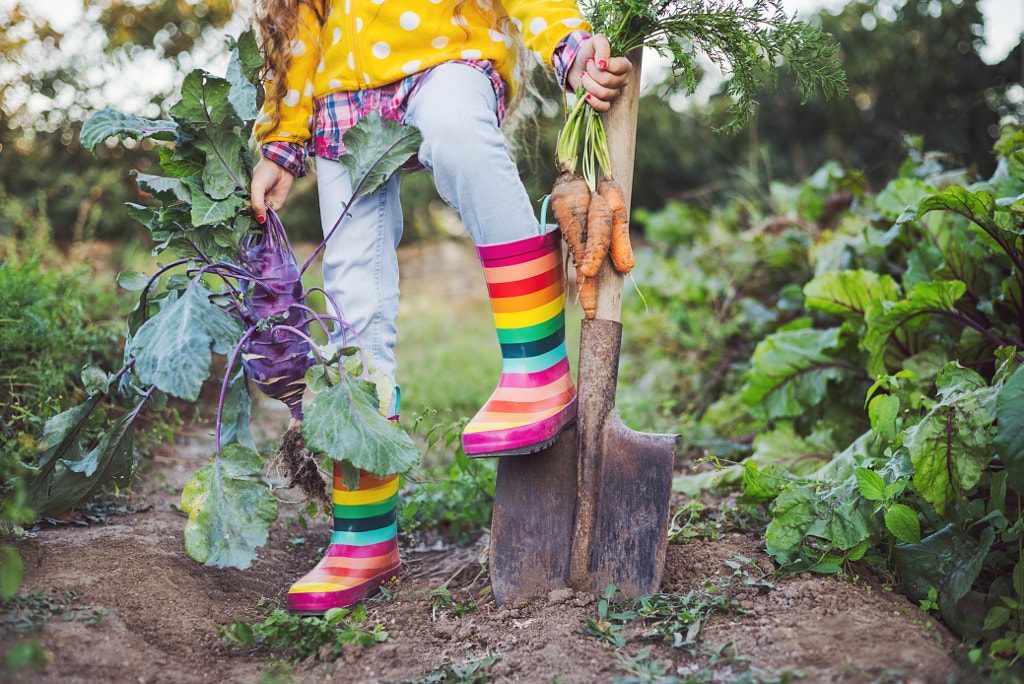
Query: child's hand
{"points": [[602, 75], [271, 184]]}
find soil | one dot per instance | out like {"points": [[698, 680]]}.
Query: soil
{"points": [[850, 629]]}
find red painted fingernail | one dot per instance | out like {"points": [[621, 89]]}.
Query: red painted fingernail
{"points": [[583, 74], [602, 64], [588, 96], [261, 219]]}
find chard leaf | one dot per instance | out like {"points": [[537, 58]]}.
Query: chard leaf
{"points": [[952, 444], [107, 122], [204, 101], [849, 293], [344, 423], [887, 321], [783, 447], [790, 372], [228, 517], [1009, 440], [172, 349], [377, 147], [949, 561], [978, 207]]}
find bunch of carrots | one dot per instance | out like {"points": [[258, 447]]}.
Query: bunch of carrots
{"points": [[591, 215]]}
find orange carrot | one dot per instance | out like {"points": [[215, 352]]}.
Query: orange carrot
{"points": [[570, 198], [599, 235], [622, 252], [586, 290]]}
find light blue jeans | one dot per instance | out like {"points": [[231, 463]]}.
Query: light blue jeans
{"points": [[463, 147]]}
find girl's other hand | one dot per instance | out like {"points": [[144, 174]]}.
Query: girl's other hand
{"points": [[602, 75], [271, 184]]}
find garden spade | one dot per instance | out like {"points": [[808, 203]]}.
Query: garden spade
{"points": [[593, 508]]}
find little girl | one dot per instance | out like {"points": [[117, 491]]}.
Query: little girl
{"points": [[450, 68]]}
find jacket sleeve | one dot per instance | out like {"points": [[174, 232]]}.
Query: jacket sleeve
{"points": [[296, 107], [545, 24]]}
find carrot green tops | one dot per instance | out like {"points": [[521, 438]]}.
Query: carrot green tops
{"points": [[365, 44]]}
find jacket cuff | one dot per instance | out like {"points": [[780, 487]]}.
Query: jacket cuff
{"points": [[290, 156], [565, 55]]}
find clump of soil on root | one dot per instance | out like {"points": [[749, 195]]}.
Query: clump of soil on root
{"points": [[294, 461]]}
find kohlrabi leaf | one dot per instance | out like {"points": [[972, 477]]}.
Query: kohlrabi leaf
{"points": [[225, 170], [172, 349], [1009, 440], [344, 423], [95, 380], [229, 517], [790, 372], [951, 445], [62, 440], [237, 411], [181, 162], [207, 211], [164, 188], [887, 321], [243, 70], [204, 101], [107, 122], [377, 147], [132, 280], [849, 293]]}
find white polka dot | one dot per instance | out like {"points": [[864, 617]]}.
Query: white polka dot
{"points": [[270, 75], [335, 83], [309, 122], [359, 24], [439, 42], [518, 23], [337, 35], [263, 119], [409, 20], [348, 6], [435, 1], [537, 25], [366, 77], [539, 57], [516, 72], [284, 135], [320, 68], [499, 37], [471, 54], [381, 50], [572, 23], [411, 67], [351, 61], [291, 98], [308, 90], [298, 48], [378, 2]]}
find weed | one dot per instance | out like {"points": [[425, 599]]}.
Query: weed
{"points": [[303, 636], [469, 672], [454, 497], [696, 520], [610, 620], [27, 613], [443, 602]]}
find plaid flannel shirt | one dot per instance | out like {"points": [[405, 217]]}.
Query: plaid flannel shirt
{"points": [[340, 111]]}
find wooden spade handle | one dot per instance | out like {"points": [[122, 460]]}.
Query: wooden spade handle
{"points": [[620, 127]]}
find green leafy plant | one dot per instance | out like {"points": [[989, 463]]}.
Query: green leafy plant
{"points": [[611, 619], [472, 671], [442, 602], [235, 289], [301, 637]]}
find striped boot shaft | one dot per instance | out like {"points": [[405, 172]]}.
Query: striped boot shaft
{"points": [[536, 396], [363, 553]]}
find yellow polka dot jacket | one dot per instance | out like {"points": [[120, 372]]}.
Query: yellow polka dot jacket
{"points": [[365, 44]]}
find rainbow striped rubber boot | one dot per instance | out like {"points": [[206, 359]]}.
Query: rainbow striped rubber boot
{"points": [[536, 396], [363, 553]]}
